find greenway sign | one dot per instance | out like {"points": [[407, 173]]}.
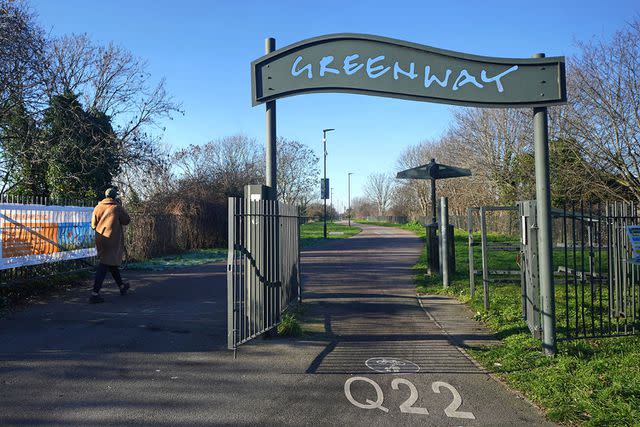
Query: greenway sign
{"points": [[372, 65], [379, 66]]}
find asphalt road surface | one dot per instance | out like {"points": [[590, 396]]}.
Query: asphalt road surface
{"points": [[158, 357]]}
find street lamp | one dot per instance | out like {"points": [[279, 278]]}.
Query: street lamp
{"points": [[324, 182], [349, 192]]}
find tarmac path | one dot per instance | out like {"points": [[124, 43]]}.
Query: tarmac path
{"points": [[158, 357]]}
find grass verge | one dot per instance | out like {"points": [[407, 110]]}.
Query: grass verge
{"points": [[186, 259], [591, 382], [312, 233]]}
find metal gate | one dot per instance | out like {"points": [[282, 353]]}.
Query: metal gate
{"points": [[263, 268], [597, 288], [530, 279]]}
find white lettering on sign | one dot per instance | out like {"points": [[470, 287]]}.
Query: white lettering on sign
{"points": [[483, 76], [411, 73], [323, 66], [407, 407], [430, 79], [295, 72], [376, 67], [463, 78], [349, 67], [378, 70]]}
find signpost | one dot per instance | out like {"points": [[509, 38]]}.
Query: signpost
{"points": [[380, 66]]}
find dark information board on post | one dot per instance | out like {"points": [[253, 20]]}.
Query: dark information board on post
{"points": [[372, 65]]}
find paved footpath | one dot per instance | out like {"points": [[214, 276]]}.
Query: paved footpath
{"points": [[157, 357]]}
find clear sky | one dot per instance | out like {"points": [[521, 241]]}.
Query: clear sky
{"points": [[203, 49]]}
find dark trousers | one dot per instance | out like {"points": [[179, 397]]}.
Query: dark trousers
{"points": [[101, 273]]}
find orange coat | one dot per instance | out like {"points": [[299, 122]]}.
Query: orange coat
{"points": [[107, 221]]}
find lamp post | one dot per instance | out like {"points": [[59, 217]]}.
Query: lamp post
{"points": [[324, 182], [349, 195]]}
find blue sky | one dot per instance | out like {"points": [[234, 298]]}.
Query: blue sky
{"points": [[203, 49]]}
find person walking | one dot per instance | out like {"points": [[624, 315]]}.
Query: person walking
{"points": [[107, 221]]}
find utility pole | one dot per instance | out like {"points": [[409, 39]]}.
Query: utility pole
{"points": [[324, 182], [349, 195]]}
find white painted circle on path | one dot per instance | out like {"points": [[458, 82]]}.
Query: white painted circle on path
{"points": [[391, 365]]}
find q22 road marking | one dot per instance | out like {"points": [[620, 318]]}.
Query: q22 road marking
{"points": [[407, 407]]}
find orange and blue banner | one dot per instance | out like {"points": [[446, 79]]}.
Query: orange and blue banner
{"points": [[37, 234]]}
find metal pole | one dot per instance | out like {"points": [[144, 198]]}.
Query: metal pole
{"points": [[433, 201], [271, 172], [324, 186], [545, 244], [324, 183], [444, 240], [349, 192], [472, 285], [485, 258]]}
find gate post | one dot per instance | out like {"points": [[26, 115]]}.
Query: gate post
{"points": [[472, 285], [545, 244], [444, 241], [485, 258], [271, 171]]}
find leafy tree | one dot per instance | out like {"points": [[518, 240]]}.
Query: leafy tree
{"points": [[25, 168], [81, 148]]}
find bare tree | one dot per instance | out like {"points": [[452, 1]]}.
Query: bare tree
{"points": [[297, 172], [379, 189], [363, 207], [22, 56], [110, 79], [222, 166], [414, 195], [604, 87], [494, 139]]}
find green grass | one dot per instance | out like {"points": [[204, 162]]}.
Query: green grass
{"points": [[312, 233], [186, 259], [289, 326], [591, 382]]}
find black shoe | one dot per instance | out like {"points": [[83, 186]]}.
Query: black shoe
{"points": [[124, 288], [95, 299]]}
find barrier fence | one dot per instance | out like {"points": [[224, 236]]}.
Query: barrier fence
{"points": [[263, 274], [41, 237], [596, 280]]}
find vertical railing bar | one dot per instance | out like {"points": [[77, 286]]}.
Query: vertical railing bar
{"points": [[575, 266], [609, 264], [600, 273], [582, 268], [616, 260], [625, 264], [591, 271], [632, 283], [566, 269]]}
